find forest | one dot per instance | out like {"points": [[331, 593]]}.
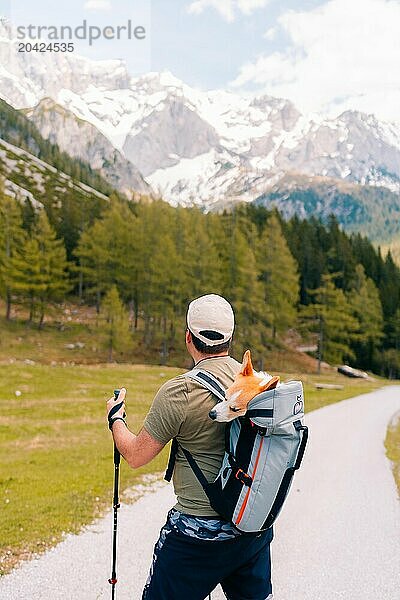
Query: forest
{"points": [[141, 263]]}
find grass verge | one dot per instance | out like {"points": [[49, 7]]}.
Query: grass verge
{"points": [[392, 444], [56, 467]]}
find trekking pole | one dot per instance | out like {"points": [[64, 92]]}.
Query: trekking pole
{"points": [[113, 579], [116, 505]]}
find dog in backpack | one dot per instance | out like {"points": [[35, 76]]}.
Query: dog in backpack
{"points": [[247, 384]]}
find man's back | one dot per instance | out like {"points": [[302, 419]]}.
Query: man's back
{"points": [[180, 409]]}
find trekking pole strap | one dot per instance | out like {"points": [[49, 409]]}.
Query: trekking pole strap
{"points": [[112, 421], [111, 418]]}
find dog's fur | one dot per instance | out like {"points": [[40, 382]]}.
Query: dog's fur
{"points": [[247, 384]]}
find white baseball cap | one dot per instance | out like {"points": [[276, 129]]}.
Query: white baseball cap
{"points": [[210, 318]]}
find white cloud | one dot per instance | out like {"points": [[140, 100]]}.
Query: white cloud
{"points": [[97, 5], [270, 34], [248, 6], [342, 54], [224, 7], [227, 8]]}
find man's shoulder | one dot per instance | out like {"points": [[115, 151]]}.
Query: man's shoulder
{"points": [[224, 368], [174, 386], [168, 410]]}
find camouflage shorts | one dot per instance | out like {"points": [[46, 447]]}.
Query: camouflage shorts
{"points": [[201, 528]]}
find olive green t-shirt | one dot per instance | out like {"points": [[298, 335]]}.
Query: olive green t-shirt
{"points": [[180, 409]]}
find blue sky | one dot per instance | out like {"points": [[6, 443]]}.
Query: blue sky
{"points": [[207, 50], [204, 48], [324, 55]]}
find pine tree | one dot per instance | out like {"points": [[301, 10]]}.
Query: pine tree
{"points": [[340, 258], [395, 330], [365, 302], [333, 320], [391, 363], [279, 276], [308, 242], [389, 286], [114, 325]]}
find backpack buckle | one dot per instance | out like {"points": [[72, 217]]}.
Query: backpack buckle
{"points": [[243, 477]]}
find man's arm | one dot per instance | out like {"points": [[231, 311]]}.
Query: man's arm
{"points": [[137, 450]]}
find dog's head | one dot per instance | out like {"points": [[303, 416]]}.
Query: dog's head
{"points": [[247, 384]]}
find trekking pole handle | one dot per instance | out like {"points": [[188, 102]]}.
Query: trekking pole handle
{"points": [[117, 455], [116, 394], [114, 410]]}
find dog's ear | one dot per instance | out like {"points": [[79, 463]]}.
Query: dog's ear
{"points": [[247, 367], [270, 385]]}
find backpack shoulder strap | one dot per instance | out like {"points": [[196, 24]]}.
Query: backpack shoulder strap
{"points": [[171, 461], [189, 457], [208, 381]]}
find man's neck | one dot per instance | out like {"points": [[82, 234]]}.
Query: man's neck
{"points": [[199, 357]]}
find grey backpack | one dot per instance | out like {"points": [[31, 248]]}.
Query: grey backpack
{"points": [[263, 449]]}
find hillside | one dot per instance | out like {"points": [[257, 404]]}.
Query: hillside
{"points": [[369, 210], [37, 173], [18, 130], [72, 336], [35, 183]]}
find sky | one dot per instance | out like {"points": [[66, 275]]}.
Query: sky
{"points": [[324, 55]]}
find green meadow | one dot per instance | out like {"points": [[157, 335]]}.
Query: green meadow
{"points": [[56, 467]]}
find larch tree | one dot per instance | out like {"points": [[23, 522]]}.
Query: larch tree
{"points": [[92, 253], [279, 276], [27, 280], [198, 250], [11, 238], [114, 323], [39, 269], [240, 283]]}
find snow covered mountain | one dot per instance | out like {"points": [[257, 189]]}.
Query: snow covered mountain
{"points": [[209, 148], [81, 139]]}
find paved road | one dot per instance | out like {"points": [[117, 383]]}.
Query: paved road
{"points": [[338, 536]]}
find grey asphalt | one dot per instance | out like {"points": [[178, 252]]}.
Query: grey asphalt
{"points": [[338, 536]]}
